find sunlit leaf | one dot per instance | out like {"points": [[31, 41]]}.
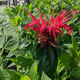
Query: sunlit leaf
{"points": [[9, 38], [76, 72], [44, 77], [33, 71], [25, 77], [9, 75], [74, 44]]}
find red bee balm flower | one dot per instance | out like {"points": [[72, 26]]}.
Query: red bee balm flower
{"points": [[49, 31]]}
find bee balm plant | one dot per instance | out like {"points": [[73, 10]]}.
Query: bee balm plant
{"points": [[47, 34]]}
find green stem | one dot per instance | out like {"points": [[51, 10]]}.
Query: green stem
{"points": [[19, 33], [66, 77], [2, 50]]}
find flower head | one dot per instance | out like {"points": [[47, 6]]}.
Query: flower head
{"points": [[48, 31]]}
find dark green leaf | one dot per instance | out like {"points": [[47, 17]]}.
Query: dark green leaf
{"points": [[24, 62], [68, 45], [74, 44], [73, 58], [76, 72], [60, 67], [48, 60], [65, 60]]}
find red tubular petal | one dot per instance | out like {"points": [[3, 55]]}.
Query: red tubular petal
{"points": [[35, 28], [68, 16], [56, 20], [51, 18], [43, 27], [61, 32], [60, 16], [29, 25], [66, 20], [62, 12], [53, 33], [67, 27], [65, 13], [41, 17], [45, 19], [34, 19], [75, 12], [68, 33], [42, 31], [49, 28]]}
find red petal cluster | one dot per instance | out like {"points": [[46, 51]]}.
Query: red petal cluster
{"points": [[52, 29]]}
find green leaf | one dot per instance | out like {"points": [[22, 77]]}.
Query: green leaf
{"points": [[9, 75], [72, 21], [78, 55], [76, 72], [2, 41], [25, 77], [74, 44], [11, 43], [9, 38], [67, 45], [60, 67], [22, 43], [44, 65], [16, 21], [54, 60], [47, 57], [10, 65], [21, 60], [65, 60], [33, 71], [73, 58], [78, 23], [44, 77], [3, 63], [17, 53]]}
